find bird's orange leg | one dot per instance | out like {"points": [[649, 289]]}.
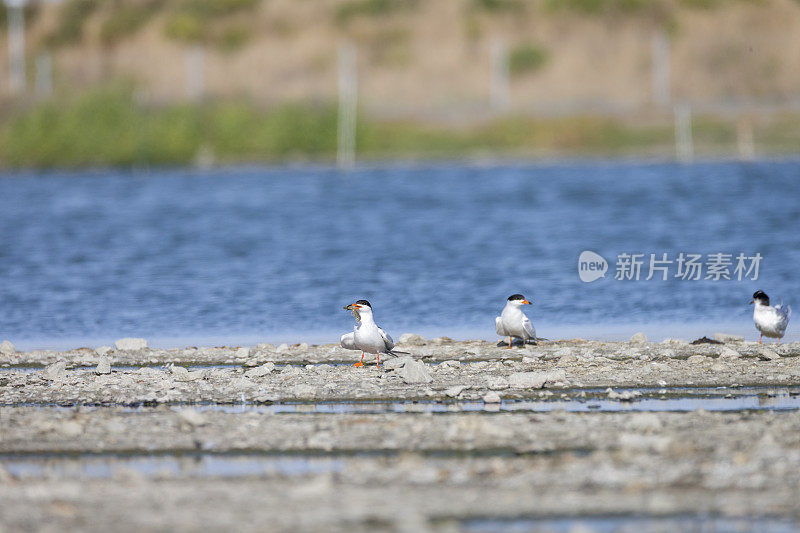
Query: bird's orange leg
{"points": [[760, 337], [378, 364], [360, 363], [509, 343]]}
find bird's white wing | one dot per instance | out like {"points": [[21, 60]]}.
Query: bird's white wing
{"points": [[348, 341], [499, 327], [528, 327], [387, 340]]}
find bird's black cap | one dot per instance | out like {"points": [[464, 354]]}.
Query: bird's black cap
{"points": [[761, 296], [516, 297], [364, 302]]}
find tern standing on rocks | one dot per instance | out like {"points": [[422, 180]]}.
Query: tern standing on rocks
{"points": [[366, 335], [770, 321], [512, 322]]}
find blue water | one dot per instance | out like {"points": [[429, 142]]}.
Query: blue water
{"points": [[274, 253]]}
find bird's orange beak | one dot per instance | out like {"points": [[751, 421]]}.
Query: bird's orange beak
{"points": [[526, 302], [352, 306]]}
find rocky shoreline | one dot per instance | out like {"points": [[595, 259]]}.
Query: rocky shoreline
{"points": [[432, 443]]}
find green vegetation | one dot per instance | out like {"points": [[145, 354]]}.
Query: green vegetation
{"points": [[526, 58], [593, 7], [358, 8], [128, 19], [233, 38], [70, 28], [196, 21], [108, 128], [494, 6]]}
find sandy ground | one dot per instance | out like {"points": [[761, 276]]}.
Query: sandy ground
{"points": [[266, 437]]}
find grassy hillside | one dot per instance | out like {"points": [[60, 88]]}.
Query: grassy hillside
{"points": [[580, 79]]}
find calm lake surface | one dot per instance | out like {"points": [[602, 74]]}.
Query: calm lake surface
{"points": [[272, 254]]}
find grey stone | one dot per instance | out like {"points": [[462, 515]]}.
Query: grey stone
{"points": [[283, 348], [728, 337], [677, 342], [497, 383], [412, 339], [131, 344], [697, 359], [767, 355], [561, 352], [242, 353], [625, 396], [566, 360], [303, 390], [491, 397], [455, 391], [728, 353], [396, 362], [442, 340], [183, 374], [414, 372], [639, 338], [54, 371], [450, 364], [103, 366], [7, 348], [260, 371], [527, 380], [103, 350]]}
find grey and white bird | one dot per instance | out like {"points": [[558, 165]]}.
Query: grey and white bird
{"points": [[366, 335], [512, 322], [769, 320]]}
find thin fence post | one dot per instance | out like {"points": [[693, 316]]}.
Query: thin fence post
{"points": [[195, 72], [348, 100], [661, 69], [745, 141], [684, 148], [16, 45], [44, 74], [500, 87]]}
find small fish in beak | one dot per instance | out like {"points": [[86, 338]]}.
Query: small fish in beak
{"points": [[354, 309]]}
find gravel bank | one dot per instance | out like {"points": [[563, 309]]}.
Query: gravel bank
{"points": [[81, 467]]}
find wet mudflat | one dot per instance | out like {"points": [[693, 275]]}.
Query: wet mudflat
{"points": [[462, 436]]}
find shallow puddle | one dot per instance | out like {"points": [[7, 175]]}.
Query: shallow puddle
{"points": [[663, 400], [674, 399], [632, 524], [185, 465]]}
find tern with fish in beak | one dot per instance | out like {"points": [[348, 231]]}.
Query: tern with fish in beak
{"points": [[366, 335]]}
